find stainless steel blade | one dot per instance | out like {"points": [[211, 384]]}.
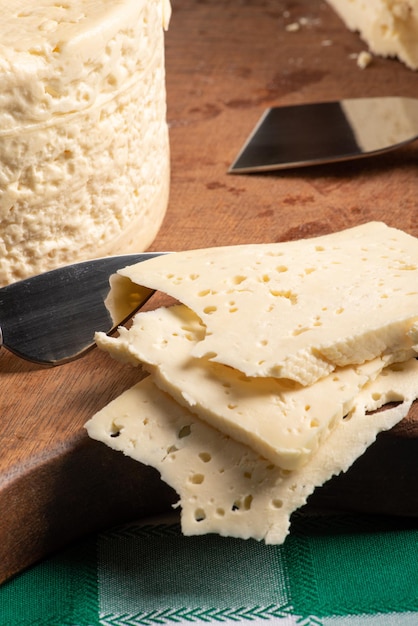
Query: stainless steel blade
{"points": [[325, 132], [52, 318]]}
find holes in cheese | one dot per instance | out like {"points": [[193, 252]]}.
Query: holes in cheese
{"points": [[276, 372], [280, 419], [308, 306], [254, 498]]}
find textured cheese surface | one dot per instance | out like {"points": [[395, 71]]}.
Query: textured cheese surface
{"points": [[298, 309], [389, 27], [281, 420], [224, 486], [84, 154]]}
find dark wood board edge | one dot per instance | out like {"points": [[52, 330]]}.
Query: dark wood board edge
{"points": [[84, 490]]}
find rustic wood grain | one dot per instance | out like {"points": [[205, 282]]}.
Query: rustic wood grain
{"points": [[226, 62]]}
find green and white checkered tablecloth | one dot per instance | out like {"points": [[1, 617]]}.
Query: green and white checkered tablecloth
{"points": [[332, 571]]}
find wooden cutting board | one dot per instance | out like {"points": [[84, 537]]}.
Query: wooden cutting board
{"points": [[226, 62]]}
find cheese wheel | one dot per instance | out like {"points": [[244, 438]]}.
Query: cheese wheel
{"points": [[389, 27], [84, 152]]}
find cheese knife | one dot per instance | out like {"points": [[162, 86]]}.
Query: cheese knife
{"points": [[326, 132], [51, 318]]}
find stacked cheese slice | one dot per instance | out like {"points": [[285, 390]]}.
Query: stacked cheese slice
{"points": [[265, 379]]}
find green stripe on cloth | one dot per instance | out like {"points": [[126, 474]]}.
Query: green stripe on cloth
{"points": [[60, 591], [353, 565], [331, 571]]}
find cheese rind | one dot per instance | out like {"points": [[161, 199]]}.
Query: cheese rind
{"points": [[283, 421], [224, 486], [84, 150], [389, 27], [298, 309]]}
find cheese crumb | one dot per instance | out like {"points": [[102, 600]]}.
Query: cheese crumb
{"points": [[293, 27], [364, 59]]}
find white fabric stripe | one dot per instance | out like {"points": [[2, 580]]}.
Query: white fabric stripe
{"points": [[133, 620], [379, 619]]}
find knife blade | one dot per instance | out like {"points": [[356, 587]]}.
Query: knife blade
{"points": [[325, 132], [51, 318]]}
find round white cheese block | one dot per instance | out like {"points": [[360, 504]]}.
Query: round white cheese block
{"points": [[84, 151]]}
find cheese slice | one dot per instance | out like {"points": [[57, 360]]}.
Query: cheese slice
{"points": [[389, 27], [224, 486], [282, 420], [298, 309]]}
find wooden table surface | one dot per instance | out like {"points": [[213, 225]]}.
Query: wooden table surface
{"points": [[226, 61]]}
